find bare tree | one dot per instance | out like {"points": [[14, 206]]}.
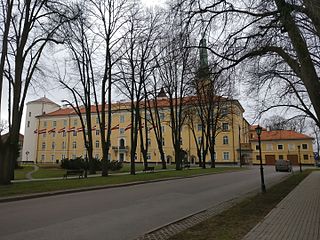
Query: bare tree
{"points": [[28, 27]]}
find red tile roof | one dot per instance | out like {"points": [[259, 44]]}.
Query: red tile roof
{"points": [[281, 135]]}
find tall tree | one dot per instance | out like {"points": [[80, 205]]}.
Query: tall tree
{"points": [[28, 27]]}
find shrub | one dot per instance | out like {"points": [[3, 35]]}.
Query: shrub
{"points": [[115, 165]]}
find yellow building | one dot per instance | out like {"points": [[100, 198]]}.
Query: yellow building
{"points": [[282, 144], [59, 135]]}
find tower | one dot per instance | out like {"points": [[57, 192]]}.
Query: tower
{"points": [[34, 108]]}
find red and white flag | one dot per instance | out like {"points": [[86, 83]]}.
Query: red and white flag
{"points": [[115, 127], [79, 129], [52, 130], [128, 127], [62, 130], [94, 128], [35, 131], [42, 131], [72, 129]]}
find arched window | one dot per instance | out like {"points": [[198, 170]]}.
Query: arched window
{"points": [[121, 142], [225, 140]]}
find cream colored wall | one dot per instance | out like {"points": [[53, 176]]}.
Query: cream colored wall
{"points": [[285, 151]]}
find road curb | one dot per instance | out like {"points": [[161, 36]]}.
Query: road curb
{"points": [[86, 189]]}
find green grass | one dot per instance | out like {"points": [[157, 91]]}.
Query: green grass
{"points": [[53, 185], [20, 174], [237, 221]]}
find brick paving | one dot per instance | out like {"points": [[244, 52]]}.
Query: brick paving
{"points": [[296, 217], [171, 229]]}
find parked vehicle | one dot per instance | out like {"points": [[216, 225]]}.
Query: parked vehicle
{"points": [[317, 163], [283, 165]]}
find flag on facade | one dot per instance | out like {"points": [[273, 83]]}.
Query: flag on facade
{"points": [[72, 129], [42, 131], [35, 131], [128, 127], [52, 130], [115, 127], [94, 128], [62, 130], [79, 129]]}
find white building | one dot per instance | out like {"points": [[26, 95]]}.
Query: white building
{"points": [[34, 108]]}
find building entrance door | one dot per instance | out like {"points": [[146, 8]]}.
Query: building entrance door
{"points": [[121, 157], [294, 159], [270, 159]]}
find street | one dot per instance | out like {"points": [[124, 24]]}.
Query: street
{"points": [[124, 212]]}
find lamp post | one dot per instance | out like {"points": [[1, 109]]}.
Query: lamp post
{"points": [[299, 147], [258, 131]]}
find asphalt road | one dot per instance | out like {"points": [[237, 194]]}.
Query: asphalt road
{"points": [[125, 212]]}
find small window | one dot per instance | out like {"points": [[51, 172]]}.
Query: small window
{"points": [[304, 146], [199, 127], [161, 116], [74, 133], [149, 141], [43, 146], [163, 142], [53, 158], [53, 145], [148, 156], [225, 155], [45, 123], [44, 135], [43, 157], [75, 122], [280, 147], [97, 132], [305, 157], [28, 124], [162, 129], [121, 118], [257, 147], [64, 134], [225, 126], [65, 122], [225, 140], [29, 114], [281, 157], [63, 156], [63, 145], [97, 144], [121, 130], [74, 145], [53, 134], [180, 141], [199, 140], [97, 120], [54, 123]]}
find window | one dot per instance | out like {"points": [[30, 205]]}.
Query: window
{"points": [[199, 140], [97, 132], [43, 146], [225, 126], [162, 129], [52, 158], [74, 144], [44, 135], [42, 157], [180, 141], [63, 156], [281, 157], [53, 145], [63, 145], [45, 123], [29, 114], [149, 141], [97, 120], [54, 123], [280, 147], [224, 111], [121, 118], [97, 144], [161, 116], [257, 147], [121, 130], [148, 156], [75, 122], [305, 157], [225, 155], [74, 133], [199, 127], [269, 147], [258, 157], [291, 146], [304, 146], [28, 124], [64, 122], [53, 134], [64, 134], [163, 143], [225, 140]]}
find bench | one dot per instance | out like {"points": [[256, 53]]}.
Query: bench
{"points": [[150, 169], [78, 172], [187, 166]]}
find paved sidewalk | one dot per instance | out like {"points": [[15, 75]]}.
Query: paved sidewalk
{"points": [[296, 217]]}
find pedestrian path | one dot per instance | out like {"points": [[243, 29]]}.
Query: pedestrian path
{"points": [[29, 174], [296, 217]]}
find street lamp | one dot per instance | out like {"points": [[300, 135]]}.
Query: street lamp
{"points": [[299, 147], [259, 131]]}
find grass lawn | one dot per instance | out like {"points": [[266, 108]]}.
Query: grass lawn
{"points": [[53, 185], [237, 221], [21, 173]]}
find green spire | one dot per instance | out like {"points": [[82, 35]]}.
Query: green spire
{"points": [[203, 54]]}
